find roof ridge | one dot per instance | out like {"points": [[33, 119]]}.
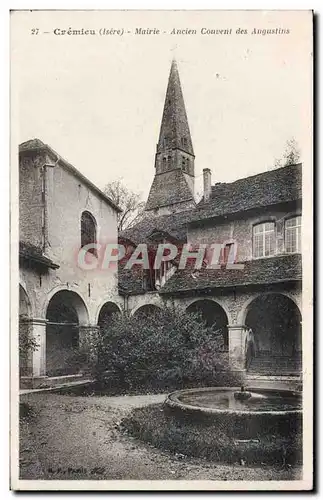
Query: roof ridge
{"points": [[38, 144], [257, 175]]}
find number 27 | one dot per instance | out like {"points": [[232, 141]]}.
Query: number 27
{"points": [[34, 31]]}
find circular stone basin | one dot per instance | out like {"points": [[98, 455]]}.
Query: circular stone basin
{"points": [[266, 410]]}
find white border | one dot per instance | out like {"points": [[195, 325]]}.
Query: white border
{"points": [[4, 196]]}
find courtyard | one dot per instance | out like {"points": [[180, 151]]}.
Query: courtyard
{"points": [[66, 436]]}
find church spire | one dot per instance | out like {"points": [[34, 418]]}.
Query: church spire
{"points": [[173, 186], [174, 130]]}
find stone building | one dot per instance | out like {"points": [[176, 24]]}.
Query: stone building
{"points": [[257, 222], [61, 304], [172, 189]]}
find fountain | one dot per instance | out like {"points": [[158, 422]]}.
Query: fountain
{"points": [[242, 394], [245, 413]]}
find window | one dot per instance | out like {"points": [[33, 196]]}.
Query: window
{"points": [[164, 163], [264, 240], [183, 163], [226, 252], [149, 280], [184, 142], [88, 231], [293, 234]]}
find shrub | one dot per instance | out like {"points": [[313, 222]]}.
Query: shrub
{"points": [[162, 350], [212, 442]]}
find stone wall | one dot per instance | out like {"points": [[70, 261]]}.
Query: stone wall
{"points": [[30, 198], [240, 230], [235, 303], [67, 196]]}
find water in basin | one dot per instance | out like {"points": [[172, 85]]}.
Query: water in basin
{"points": [[223, 399]]}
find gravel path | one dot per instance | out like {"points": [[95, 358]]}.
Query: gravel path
{"points": [[74, 437]]}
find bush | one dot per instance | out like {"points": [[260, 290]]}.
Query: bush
{"points": [[163, 350], [212, 442]]}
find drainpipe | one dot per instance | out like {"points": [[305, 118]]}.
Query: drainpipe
{"points": [[45, 242]]}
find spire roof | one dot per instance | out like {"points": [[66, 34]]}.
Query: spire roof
{"points": [[172, 189], [174, 130]]}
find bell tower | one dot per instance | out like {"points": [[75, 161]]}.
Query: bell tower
{"points": [[172, 189]]}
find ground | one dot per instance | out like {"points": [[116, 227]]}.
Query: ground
{"points": [[74, 437]]}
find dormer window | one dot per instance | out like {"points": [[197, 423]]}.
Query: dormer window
{"points": [[264, 240], [293, 228]]}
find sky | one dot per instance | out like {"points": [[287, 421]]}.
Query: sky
{"points": [[98, 100]]}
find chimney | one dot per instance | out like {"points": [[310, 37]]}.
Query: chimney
{"points": [[206, 184]]}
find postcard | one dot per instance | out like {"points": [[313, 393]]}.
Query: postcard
{"points": [[161, 250]]}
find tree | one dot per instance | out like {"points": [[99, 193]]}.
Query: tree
{"points": [[291, 154], [130, 203]]}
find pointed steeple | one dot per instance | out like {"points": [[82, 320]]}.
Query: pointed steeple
{"points": [[174, 130], [173, 186]]}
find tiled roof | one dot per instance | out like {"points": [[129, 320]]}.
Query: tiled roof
{"points": [[265, 189], [268, 188], [174, 224], [31, 145], [169, 188], [174, 127], [130, 281], [256, 272], [33, 253]]}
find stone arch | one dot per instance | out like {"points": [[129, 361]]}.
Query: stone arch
{"points": [[241, 318], [66, 313], [217, 301], [25, 308], [213, 315], [72, 300], [106, 311], [146, 310], [276, 323], [82, 307]]}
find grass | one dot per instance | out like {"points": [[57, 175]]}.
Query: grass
{"points": [[151, 424], [26, 412]]}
